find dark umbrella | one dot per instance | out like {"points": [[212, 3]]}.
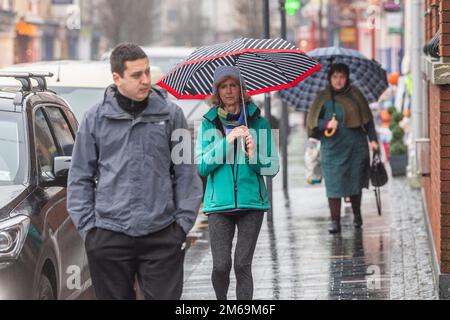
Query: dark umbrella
{"points": [[265, 65], [367, 75]]}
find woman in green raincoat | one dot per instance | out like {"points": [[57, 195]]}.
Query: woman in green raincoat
{"points": [[341, 117], [234, 151]]}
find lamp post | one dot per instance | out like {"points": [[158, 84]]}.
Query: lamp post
{"points": [[321, 44], [267, 111], [284, 110]]}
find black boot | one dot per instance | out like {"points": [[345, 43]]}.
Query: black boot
{"points": [[357, 221], [335, 227], [335, 210]]}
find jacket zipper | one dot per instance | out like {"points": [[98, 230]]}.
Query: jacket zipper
{"points": [[219, 126], [235, 186]]}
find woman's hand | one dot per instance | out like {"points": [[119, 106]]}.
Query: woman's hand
{"points": [[374, 145], [333, 124], [251, 146], [241, 131]]}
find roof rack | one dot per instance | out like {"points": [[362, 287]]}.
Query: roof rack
{"points": [[25, 79]]}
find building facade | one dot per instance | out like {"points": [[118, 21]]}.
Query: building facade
{"points": [[37, 30], [7, 32], [436, 181]]}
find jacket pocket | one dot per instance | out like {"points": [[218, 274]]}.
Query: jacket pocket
{"points": [[157, 132], [220, 191]]}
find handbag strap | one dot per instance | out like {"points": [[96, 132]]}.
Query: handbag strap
{"points": [[376, 157]]}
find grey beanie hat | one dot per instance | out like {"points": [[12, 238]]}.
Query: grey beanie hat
{"points": [[222, 72]]}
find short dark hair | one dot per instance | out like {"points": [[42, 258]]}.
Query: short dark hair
{"points": [[125, 52], [339, 68]]}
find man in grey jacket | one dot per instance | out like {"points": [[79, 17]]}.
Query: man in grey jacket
{"points": [[132, 204]]}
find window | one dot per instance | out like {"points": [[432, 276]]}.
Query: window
{"points": [[61, 130], [6, 5], [72, 120], [46, 149], [12, 149]]}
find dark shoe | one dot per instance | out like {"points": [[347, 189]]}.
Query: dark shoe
{"points": [[334, 228], [357, 222]]}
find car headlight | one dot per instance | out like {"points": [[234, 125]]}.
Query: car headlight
{"points": [[13, 233]]}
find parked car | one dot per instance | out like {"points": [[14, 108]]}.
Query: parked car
{"points": [[42, 255]]}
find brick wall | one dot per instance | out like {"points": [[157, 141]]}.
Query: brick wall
{"points": [[445, 176], [430, 20], [432, 184], [437, 185], [445, 141], [444, 21]]}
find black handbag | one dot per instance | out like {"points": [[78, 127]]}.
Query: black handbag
{"points": [[378, 178], [378, 174]]}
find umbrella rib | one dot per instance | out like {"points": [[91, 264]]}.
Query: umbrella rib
{"points": [[250, 63], [205, 72]]}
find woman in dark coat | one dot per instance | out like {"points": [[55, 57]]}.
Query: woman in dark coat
{"points": [[345, 155]]}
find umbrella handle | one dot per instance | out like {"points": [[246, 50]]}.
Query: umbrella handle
{"points": [[330, 132], [243, 145]]}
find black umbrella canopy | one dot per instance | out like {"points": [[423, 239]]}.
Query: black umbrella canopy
{"points": [[367, 75]]}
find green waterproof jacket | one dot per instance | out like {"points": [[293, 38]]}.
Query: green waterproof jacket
{"points": [[235, 181]]}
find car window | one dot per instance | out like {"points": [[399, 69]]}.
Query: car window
{"points": [[72, 120], [12, 149], [61, 129], [46, 149], [80, 99]]}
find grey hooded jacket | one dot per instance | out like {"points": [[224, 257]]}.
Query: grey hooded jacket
{"points": [[122, 178]]}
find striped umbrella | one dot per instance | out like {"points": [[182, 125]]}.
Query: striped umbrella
{"points": [[367, 75], [265, 64]]}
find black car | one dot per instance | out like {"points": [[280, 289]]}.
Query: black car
{"points": [[41, 253]]}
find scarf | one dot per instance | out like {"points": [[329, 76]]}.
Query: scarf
{"points": [[230, 121], [355, 107]]}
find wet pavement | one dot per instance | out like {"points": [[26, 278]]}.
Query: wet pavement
{"points": [[296, 258]]}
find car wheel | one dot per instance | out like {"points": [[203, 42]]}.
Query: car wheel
{"points": [[45, 289]]}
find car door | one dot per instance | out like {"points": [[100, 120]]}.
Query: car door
{"points": [[55, 137]]}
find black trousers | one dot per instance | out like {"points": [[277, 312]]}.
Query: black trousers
{"points": [[116, 260]]}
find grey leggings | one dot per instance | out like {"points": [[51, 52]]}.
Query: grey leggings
{"points": [[221, 229]]}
